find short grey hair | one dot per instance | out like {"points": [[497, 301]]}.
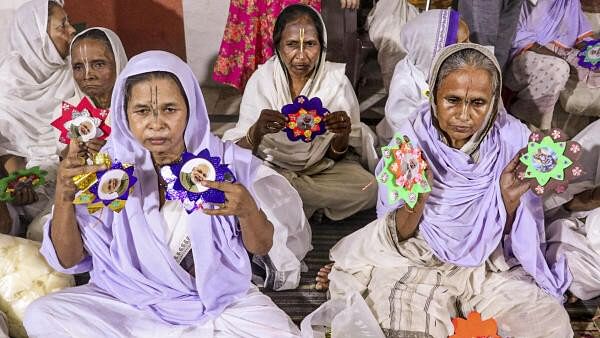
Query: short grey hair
{"points": [[469, 57]]}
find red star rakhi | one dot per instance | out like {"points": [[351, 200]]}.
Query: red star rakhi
{"points": [[550, 161], [305, 118], [404, 172], [473, 326], [83, 122]]}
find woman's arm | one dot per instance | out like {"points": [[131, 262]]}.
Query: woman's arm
{"points": [[257, 231], [64, 232], [407, 220], [338, 123], [269, 121]]}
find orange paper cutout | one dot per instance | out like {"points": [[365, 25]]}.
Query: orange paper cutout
{"points": [[474, 327]]}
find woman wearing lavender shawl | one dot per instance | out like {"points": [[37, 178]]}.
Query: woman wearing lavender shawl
{"points": [[550, 34], [140, 286], [475, 242]]}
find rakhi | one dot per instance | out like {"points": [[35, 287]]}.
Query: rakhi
{"points": [[83, 122], [110, 188], [20, 179], [305, 118], [403, 172], [184, 180], [550, 161], [589, 56], [473, 326]]}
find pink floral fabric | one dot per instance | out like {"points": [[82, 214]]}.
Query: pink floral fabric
{"points": [[247, 41]]}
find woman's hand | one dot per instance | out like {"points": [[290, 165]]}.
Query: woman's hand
{"points": [[93, 146], [74, 164], [338, 123], [25, 196], [257, 231], [511, 187], [350, 4], [269, 122], [585, 201]]}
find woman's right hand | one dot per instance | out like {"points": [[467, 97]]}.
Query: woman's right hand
{"points": [[269, 122], [74, 164]]}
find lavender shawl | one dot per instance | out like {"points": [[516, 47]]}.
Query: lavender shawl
{"points": [[558, 21], [464, 216], [128, 256]]}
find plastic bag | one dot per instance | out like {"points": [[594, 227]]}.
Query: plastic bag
{"points": [[347, 318]]}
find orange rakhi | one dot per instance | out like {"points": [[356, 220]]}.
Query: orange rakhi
{"points": [[474, 327]]}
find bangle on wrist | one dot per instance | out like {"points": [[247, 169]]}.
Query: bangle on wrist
{"points": [[408, 209], [248, 138], [339, 152]]}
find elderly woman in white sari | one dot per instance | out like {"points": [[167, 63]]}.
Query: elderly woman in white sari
{"points": [[421, 38], [35, 77], [327, 172], [575, 230], [475, 242]]}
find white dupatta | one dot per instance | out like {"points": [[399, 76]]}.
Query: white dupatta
{"points": [[268, 88]]}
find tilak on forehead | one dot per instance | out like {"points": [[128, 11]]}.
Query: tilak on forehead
{"points": [[83, 51], [301, 39], [154, 100]]}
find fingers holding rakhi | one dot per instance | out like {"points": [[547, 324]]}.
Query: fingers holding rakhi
{"points": [[338, 122], [238, 203]]}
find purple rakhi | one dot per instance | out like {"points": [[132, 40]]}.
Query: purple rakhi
{"points": [[589, 56], [305, 118], [184, 180], [113, 184]]}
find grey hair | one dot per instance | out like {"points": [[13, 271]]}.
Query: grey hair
{"points": [[469, 58]]}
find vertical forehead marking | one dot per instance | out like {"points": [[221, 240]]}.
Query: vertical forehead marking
{"points": [[301, 39], [154, 100]]}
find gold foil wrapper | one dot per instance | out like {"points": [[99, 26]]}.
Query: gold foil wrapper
{"points": [[84, 181]]}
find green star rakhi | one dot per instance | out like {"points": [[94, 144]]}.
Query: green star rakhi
{"points": [[33, 177], [589, 56], [403, 172], [549, 162]]}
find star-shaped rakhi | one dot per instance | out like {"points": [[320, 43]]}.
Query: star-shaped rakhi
{"points": [[305, 118], [589, 56], [84, 122], [32, 177], [473, 326], [550, 161], [184, 180], [403, 172], [111, 188]]}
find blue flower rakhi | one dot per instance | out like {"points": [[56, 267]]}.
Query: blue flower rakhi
{"points": [[110, 189], [589, 56], [184, 180], [305, 118]]}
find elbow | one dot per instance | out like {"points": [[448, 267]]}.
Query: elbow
{"points": [[69, 262]]}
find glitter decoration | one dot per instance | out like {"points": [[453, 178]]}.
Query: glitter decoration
{"points": [[403, 172], [83, 122], [549, 161], [589, 56], [184, 180], [305, 118], [20, 179]]}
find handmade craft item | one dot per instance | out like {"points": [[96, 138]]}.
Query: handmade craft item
{"points": [[589, 56], [473, 326], [32, 177], [105, 188], [83, 122], [184, 180], [403, 171], [305, 118], [550, 161]]}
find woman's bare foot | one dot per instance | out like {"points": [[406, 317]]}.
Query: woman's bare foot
{"points": [[323, 277]]}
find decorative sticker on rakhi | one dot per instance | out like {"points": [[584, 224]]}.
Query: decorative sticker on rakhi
{"points": [[20, 179], [83, 122], [403, 172], [184, 180], [110, 188], [305, 118], [589, 56], [549, 162], [473, 326]]}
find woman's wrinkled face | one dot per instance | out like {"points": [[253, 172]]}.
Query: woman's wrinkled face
{"points": [[299, 47], [60, 31], [157, 116], [463, 100], [94, 68]]}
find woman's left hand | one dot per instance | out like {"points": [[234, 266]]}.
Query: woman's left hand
{"points": [[350, 4], [238, 203], [511, 187], [338, 123]]}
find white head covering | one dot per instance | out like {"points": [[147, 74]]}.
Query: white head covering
{"points": [[421, 38], [268, 88], [34, 79], [117, 49]]}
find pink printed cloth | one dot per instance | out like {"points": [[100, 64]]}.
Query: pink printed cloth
{"points": [[248, 38]]}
